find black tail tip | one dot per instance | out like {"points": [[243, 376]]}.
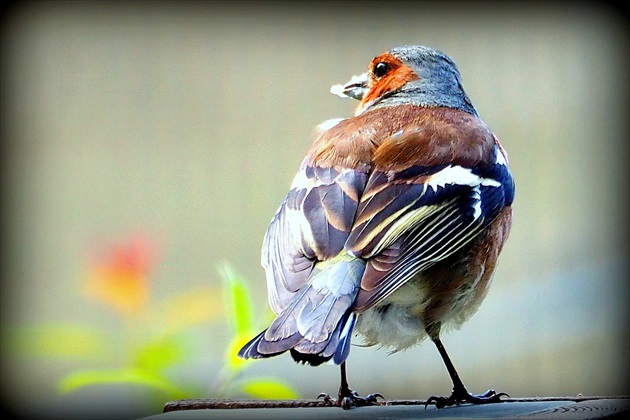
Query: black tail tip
{"points": [[308, 359], [250, 350]]}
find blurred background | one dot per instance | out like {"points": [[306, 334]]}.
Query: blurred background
{"points": [[146, 146]]}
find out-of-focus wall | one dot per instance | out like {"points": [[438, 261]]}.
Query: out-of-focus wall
{"points": [[187, 121]]}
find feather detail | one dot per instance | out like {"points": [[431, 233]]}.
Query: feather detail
{"points": [[311, 225], [343, 348], [317, 322], [379, 198], [419, 208]]}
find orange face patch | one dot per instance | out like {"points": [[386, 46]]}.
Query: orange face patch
{"points": [[396, 75]]}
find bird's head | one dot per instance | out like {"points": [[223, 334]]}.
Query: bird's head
{"points": [[409, 74]]}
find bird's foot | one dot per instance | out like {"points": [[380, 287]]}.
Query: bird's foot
{"points": [[348, 398], [460, 396]]}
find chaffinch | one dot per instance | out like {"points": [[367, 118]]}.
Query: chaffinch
{"points": [[393, 225]]}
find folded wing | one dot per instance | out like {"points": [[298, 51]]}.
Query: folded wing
{"points": [[311, 225], [407, 220]]}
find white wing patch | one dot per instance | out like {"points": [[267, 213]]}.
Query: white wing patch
{"points": [[460, 176], [501, 159], [477, 203]]}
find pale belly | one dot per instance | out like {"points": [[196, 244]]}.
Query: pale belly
{"points": [[399, 321]]}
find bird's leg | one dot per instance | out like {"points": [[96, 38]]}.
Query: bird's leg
{"points": [[348, 398], [460, 394]]}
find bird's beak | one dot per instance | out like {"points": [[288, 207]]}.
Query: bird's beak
{"points": [[355, 88]]}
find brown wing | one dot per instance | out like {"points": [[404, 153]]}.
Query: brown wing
{"points": [[415, 215], [311, 225]]}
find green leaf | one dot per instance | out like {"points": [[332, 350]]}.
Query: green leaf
{"points": [[267, 388], [77, 380], [57, 341], [157, 355], [239, 305]]}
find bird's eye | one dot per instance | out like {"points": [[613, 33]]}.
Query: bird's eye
{"points": [[380, 69]]}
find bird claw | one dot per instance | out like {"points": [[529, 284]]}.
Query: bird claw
{"points": [[327, 398], [459, 397], [348, 398]]}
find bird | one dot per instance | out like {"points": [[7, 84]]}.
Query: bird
{"points": [[393, 225]]}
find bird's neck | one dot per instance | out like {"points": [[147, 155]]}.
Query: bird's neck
{"points": [[428, 97]]}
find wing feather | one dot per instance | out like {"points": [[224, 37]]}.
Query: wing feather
{"points": [[312, 224], [434, 213]]}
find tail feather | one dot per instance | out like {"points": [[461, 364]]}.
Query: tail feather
{"points": [[250, 350], [343, 349], [317, 325]]}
